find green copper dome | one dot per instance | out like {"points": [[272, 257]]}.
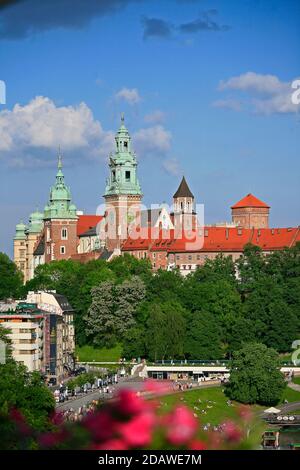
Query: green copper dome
{"points": [[20, 231], [59, 205], [35, 222]]}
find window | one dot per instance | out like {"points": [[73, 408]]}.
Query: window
{"points": [[127, 175], [113, 176], [125, 145], [48, 234], [64, 234], [62, 250], [190, 257]]}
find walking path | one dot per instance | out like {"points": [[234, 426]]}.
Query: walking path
{"points": [[294, 386]]}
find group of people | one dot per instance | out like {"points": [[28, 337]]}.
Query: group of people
{"points": [[74, 415]]}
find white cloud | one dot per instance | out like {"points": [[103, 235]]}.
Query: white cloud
{"points": [[172, 166], [152, 140], [130, 95], [235, 105], [156, 117], [268, 94], [30, 134]]}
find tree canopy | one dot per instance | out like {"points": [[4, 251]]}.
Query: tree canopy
{"points": [[11, 279], [228, 303], [255, 375]]}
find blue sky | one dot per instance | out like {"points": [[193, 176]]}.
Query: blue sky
{"points": [[205, 86]]}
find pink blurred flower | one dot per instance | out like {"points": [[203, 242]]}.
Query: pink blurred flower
{"points": [[245, 413], [112, 444], [232, 432], [56, 418], [20, 421], [128, 403], [196, 444], [138, 431], [100, 424], [52, 439], [181, 425], [156, 387]]}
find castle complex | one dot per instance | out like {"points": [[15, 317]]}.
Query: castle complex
{"points": [[169, 238]]}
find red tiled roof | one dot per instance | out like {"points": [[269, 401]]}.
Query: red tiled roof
{"points": [[276, 238], [86, 222], [86, 257], [219, 239], [250, 201]]}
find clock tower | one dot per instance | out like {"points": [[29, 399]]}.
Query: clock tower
{"points": [[122, 193]]}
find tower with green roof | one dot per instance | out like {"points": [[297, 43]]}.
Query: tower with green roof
{"points": [[33, 231], [123, 192], [20, 249], [60, 220]]}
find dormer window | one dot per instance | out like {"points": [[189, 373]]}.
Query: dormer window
{"points": [[127, 175]]}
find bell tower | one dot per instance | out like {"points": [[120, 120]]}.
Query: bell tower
{"points": [[123, 192], [185, 218], [60, 220]]}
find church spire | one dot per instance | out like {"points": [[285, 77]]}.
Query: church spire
{"points": [[59, 204], [59, 165], [123, 166]]}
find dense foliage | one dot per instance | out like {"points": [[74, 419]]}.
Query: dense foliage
{"points": [[207, 315], [23, 396], [255, 375], [11, 279]]}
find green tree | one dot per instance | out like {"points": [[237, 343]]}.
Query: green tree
{"points": [[112, 310], [250, 267], [11, 279], [128, 296], [275, 324], [255, 375], [100, 320], [203, 339], [134, 342], [220, 268], [165, 331], [4, 332], [155, 332], [26, 392]]}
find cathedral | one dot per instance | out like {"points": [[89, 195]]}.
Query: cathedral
{"points": [[168, 238]]}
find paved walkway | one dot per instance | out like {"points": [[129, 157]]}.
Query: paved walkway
{"points": [[294, 386]]}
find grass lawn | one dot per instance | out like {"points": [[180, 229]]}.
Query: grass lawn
{"points": [[294, 412], [296, 380], [212, 397], [290, 395], [219, 410], [89, 354]]}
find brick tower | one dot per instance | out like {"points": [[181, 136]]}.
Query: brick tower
{"points": [[60, 221], [185, 218], [250, 212], [122, 193]]}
